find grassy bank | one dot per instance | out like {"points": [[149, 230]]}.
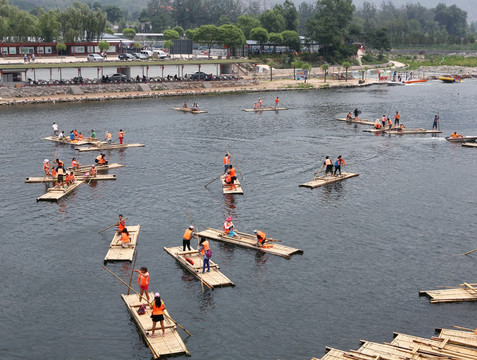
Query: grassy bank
{"points": [[415, 62]]}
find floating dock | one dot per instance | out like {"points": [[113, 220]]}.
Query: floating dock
{"points": [[117, 252], [324, 180], [189, 110], [469, 144], [229, 189], [108, 147], [86, 168], [170, 344], [267, 108], [55, 193], [38, 179], [359, 121], [74, 142], [464, 292], [450, 344], [249, 241], [211, 279]]}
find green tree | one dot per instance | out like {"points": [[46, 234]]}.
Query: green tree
{"points": [[137, 46], [129, 33], [230, 36], [109, 31], [325, 68], [291, 39], [168, 44], [260, 35], [104, 45], [290, 15], [246, 23], [190, 33], [296, 65], [206, 35], [49, 26], [275, 39], [273, 21], [346, 64], [453, 18], [380, 39], [113, 13], [60, 47], [171, 35], [179, 30]]}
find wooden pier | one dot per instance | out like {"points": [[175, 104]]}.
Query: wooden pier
{"points": [[359, 121], [464, 292], [249, 241], [324, 180], [170, 344], [229, 189], [450, 344], [267, 108], [211, 279], [108, 147], [55, 193], [31, 180], [117, 252]]}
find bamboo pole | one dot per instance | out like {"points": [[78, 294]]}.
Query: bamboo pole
{"points": [[132, 270], [141, 297], [109, 227], [462, 328], [211, 181], [471, 251]]}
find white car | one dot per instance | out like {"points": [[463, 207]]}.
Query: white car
{"points": [[95, 57], [159, 53]]}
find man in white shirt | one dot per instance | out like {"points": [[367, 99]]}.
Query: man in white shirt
{"points": [[55, 129]]}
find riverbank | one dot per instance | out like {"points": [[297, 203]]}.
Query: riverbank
{"points": [[102, 92]]}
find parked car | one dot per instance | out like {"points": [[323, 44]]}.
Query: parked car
{"points": [[146, 53], [126, 56], [199, 75], [140, 56], [95, 57], [159, 53], [117, 78]]}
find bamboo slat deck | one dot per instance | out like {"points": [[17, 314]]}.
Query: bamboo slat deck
{"points": [[458, 337], [189, 110], [85, 168], [465, 292], [228, 189], [117, 252], [55, 194], [267, 108], [450, 345], [323, 180], [469, 144], [73, 142], [108, 147], [39, 179], [409, 131], [359, 121], [381, 130], [211, 279], [249, 241], [170, 344]]}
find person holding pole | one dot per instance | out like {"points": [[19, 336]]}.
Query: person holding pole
{"points": [[158, 308], [187, 237], [436, 121], [226, 162], [143, 281]]}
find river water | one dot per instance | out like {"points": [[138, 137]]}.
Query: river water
{"points": [[371, 243]]}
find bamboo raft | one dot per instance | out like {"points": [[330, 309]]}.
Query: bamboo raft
{"points": [[266, 108], [324, 180], [382, 130], [108, 147], [55, 193], [85, 141], [450, 344], [38, 179], [464, 292], [406, 131], [211, 279], [359, 121], [116, 252], [189, 110], [227, 189], [170, 344], [469, 144], [249, 241], [86, 168]]}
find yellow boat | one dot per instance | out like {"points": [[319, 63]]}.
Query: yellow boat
{"points": [[450, 79]]}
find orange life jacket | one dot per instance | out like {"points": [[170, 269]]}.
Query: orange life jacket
{"points": [[53, 172], [102, 161], [261, 236], [390, 122], [158, 310], [188, 234], [232, 172], [72, 179], [121, 134], [74, 163], [67, 179], [143, 279], [383, 118], [125, 238], [205, 247], [228, 179], [76, 133], [121, 225], [80, 136], [92, 172], [98, 158], [227, 225], [397, 116], [226, 160]]}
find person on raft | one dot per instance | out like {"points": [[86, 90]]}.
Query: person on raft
{"points": [[339, 161], [261, 237], [205, 251], [329, 166], [143, 281], [455, 135], [228, 228], [121, 224], [187, 237], [157, 315]]}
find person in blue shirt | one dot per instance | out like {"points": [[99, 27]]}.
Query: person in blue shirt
{"points": [[72, 135]]}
